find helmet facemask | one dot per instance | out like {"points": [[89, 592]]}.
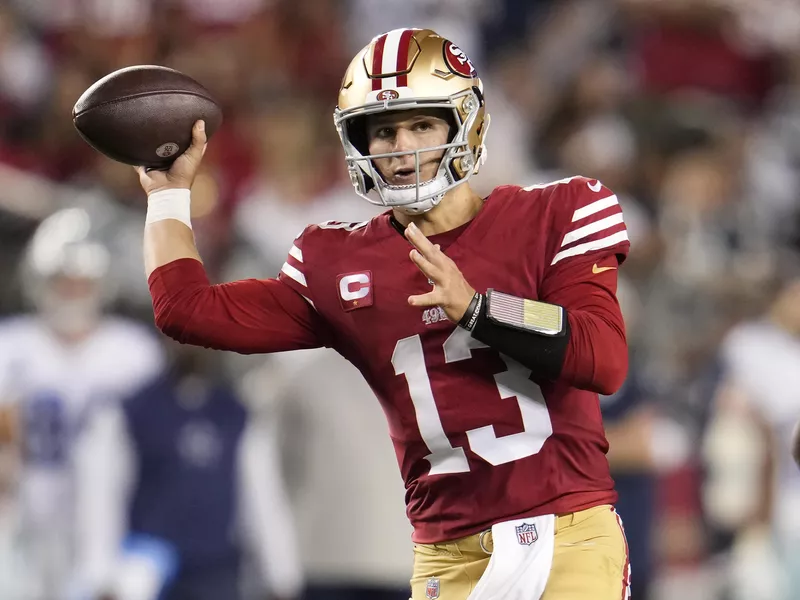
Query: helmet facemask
{"points": [[455, 167]]}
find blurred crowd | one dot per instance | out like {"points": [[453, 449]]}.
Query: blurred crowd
{"points": [[130, 465]]}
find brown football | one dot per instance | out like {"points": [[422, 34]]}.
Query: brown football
{"points": [[143, 115]]}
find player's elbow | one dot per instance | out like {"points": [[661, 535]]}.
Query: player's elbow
{"points": [[597, 355], [174, 306], [171, 320], [611, 371]]}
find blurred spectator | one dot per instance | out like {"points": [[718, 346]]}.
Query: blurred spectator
{"points": [[348, 502], [643, 443], [56, 366], [298, 182], [24, 69], [454, 19], [194, 482], [754, 488]]}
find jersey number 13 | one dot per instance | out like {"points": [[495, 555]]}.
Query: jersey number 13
{"points": [[409, 360]]}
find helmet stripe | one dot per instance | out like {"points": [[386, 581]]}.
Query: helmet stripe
{"points": [[377, 61], [402, 57], [390, 57]]}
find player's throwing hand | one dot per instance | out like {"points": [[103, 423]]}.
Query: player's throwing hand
{"points": [[450, 290], [182, 172]]}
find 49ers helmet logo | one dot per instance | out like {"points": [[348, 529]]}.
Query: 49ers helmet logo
{"points": [[388, 95], [458, 61]]}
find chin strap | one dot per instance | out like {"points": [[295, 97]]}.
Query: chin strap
{"points": [[405, 197], [418, 208]]}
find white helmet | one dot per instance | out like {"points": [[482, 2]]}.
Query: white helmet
{"points": [[63, 249], [401, 70]]}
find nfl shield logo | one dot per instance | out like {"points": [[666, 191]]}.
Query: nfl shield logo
{"points": [[432, 588], [526, 534]]}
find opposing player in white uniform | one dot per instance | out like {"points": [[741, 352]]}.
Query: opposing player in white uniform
{"points": [[56, 365], [754, 480]]}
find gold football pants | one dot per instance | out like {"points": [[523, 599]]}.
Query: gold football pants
{"points": [[590, 561]]}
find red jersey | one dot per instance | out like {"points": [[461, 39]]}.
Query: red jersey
{"points": [[477, 440]]}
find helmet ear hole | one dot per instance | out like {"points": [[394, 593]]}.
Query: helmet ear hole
{"points": [[357, 133], [369, 183], [452, 124]]}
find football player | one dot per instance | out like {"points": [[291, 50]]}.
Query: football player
{"points": [[485, 326], [56, 366], [753, 488]]}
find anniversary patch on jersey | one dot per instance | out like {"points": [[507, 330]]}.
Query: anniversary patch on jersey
{"points": [[434, 315]]}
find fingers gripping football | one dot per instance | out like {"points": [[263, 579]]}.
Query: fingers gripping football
{"points": [[451, 290], [182, 172]]}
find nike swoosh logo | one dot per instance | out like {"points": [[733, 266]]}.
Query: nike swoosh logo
{"points": [[596, 269], [596, 187]]}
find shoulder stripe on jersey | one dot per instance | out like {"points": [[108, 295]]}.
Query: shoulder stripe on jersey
{"points": [[307, 299], [296, 252], [616, 238], [587, 230], [341, 225], [292, 272], [594, 207], [543, 186]]}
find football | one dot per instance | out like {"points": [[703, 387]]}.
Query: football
{"points": [[143, 115]]}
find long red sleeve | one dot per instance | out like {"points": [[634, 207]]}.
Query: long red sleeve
{"points": [[248, 316], [597, 354]]}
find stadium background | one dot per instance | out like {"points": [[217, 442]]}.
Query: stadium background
{"points": [[688, 109]]}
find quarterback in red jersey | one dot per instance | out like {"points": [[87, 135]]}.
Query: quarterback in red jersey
{"points": [[486, 327]]}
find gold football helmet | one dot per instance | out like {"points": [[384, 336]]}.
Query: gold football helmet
{"points": [[401, 70]]}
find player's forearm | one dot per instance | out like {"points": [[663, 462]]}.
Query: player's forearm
{"points": [[167, 241], [245, 316], [596, 358], [589, 352], [168, 228]]}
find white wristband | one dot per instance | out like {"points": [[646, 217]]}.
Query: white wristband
{"points": [[170, 204]]}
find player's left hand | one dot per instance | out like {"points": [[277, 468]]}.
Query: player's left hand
{"points": [[450, 290]]}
